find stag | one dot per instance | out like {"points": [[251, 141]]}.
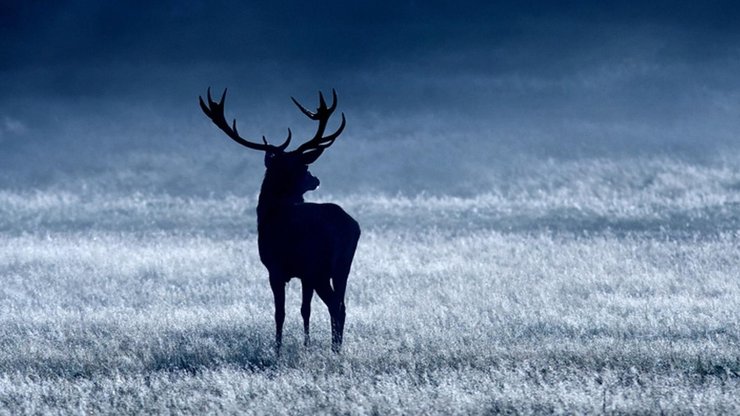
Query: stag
{"points": [[313, 242]]}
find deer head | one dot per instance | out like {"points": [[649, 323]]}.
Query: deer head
{"points": [[287, 172]]}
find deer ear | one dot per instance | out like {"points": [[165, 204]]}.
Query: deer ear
{"points": [[310, 156]]}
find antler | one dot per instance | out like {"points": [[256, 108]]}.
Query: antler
{"points": [[319, 142], [215, 111]]}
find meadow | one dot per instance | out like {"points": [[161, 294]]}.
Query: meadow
{"points": [[595, 287]]}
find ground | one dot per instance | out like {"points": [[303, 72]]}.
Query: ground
{"points": [[596, 290]]}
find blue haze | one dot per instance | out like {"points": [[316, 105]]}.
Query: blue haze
{"points": [[441, 98]]}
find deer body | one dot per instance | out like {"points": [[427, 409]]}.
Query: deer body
{"points": [[313, 242], [305, 240]]}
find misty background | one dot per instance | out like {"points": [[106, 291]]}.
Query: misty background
{"points": [[457, 98]]}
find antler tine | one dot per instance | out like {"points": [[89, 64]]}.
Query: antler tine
{"points": [[285, 143], [206, 108], [322, 102], [333, 101], [215, 111], [287, 140], [323, 110], [303, 109], [328, 140], [222, 101], [320, 142]]}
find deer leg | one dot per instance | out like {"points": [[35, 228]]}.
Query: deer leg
{"points": [[278, 291], [340, 274], [339, 289], [327, 295], [337, 322], [306, 310]]}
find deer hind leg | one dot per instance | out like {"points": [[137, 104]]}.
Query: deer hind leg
{"points": [[306, 310], [329, 297], [340, 274], [340, 285], [278, 291]]}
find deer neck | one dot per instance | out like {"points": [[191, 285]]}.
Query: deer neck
{"points": [[274, 202]]}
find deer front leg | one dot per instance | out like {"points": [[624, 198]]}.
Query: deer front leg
{"points": [[278, 292], [306, 311]]}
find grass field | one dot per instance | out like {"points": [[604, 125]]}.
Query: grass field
{"points": [[596, 289]]}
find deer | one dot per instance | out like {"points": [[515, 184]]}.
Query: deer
{"points": [[314, 242]]}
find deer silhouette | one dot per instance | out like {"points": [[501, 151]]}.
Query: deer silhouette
{"points": [[313, 242]]}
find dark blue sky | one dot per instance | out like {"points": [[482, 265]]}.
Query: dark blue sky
{"points": [[92, 48], [554, 78]]}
